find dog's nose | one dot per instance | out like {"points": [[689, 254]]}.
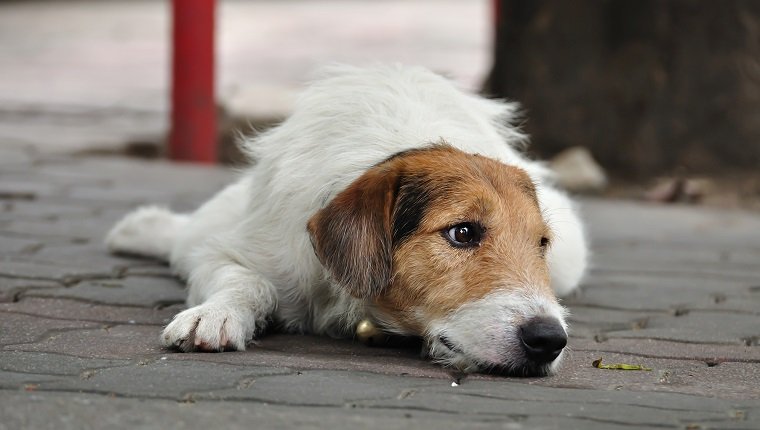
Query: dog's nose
{"points": [[543, 339]]}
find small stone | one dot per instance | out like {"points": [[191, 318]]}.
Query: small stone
{"points": [[576, 171]]}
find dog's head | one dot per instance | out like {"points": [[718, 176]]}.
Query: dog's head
{"points": [[451, 247]]}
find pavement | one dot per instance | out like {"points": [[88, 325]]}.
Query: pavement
{"points": [[673, 288], [93, 76]]}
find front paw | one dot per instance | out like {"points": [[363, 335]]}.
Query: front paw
{"points": [[209, 327]]}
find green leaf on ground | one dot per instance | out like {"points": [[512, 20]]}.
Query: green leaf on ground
{"points": [[618, 366]]}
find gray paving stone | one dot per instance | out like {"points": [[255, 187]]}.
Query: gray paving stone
{"points": [[667, 349], [44, 210], [728, 276], [577, 404], [731, 381], [98, 341], [17, 245], [53, 364], [614, 247], [16, 156], [10, 288], [633, 291], [616, 254], [25, 381], [313, 352], [590, 321], [80, 229], [146, 174], [131, 196], [501, 399], [743, 303], [697, 327], [30, 188], [19, 330], [166, 378], [28, 269], [323, 388], [39, 175], [667, 291], [674, 225], [86, 256], [130, 291], [149, 268], [81, 411], [66, 309]]}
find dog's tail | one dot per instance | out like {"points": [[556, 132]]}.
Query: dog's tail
{"points": [[150, 231]]}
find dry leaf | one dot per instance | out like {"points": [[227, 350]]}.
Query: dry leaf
{"points": [[618, 366]]}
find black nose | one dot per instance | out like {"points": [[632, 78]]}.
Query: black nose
{"points": [[543, 339]]}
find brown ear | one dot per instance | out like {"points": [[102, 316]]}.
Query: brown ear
{"points": [[352, 234]]}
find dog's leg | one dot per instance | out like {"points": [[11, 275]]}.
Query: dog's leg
{"points": [[150, 231], [231, 304], [568, 253], [228, 300]]}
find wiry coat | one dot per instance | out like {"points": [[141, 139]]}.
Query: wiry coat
{"points": [[247, 254]]}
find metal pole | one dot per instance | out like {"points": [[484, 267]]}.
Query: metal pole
{"points": [[193, 135]]}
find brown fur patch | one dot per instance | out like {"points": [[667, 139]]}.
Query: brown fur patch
{"points": [[384, 236], [351, 235], [430, 276]]}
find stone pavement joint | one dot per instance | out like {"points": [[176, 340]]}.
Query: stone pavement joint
{"points": [[676, 289]]}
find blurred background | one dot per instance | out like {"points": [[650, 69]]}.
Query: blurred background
{"points": [[647, 99]]}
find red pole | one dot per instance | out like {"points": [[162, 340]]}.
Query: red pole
{"points": [[193, 119]]}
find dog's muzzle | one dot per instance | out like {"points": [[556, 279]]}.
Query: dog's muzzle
{"points": [[508, 333]]}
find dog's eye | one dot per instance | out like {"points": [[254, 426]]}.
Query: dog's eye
{"points": [[463, 235], [543, 244]]}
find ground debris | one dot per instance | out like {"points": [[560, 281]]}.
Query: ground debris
{"points": [[680, 189], [577, 171], [618, 366]]}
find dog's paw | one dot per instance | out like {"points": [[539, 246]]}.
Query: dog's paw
{"points": [[209, 327]]}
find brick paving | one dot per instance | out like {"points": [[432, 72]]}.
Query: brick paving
{"points": [[85, 76], [674, 288]]}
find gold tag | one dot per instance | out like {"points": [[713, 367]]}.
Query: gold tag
{"points": [[368, 334]]}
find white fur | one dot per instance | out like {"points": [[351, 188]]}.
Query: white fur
{"points": [[150, 230], [246, 253], [496, 319]]}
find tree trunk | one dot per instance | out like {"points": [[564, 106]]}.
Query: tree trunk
{"points": [[648, 86]]}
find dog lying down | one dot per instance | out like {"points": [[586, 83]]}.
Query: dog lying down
{"points": [[388, 195]]}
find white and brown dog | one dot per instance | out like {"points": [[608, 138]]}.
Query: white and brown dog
{"points": [[388, 195]]}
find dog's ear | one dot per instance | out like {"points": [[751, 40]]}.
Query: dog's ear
{"points": [[352, 234]]}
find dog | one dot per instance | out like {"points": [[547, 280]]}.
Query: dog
{"points": [[388, 195]]}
